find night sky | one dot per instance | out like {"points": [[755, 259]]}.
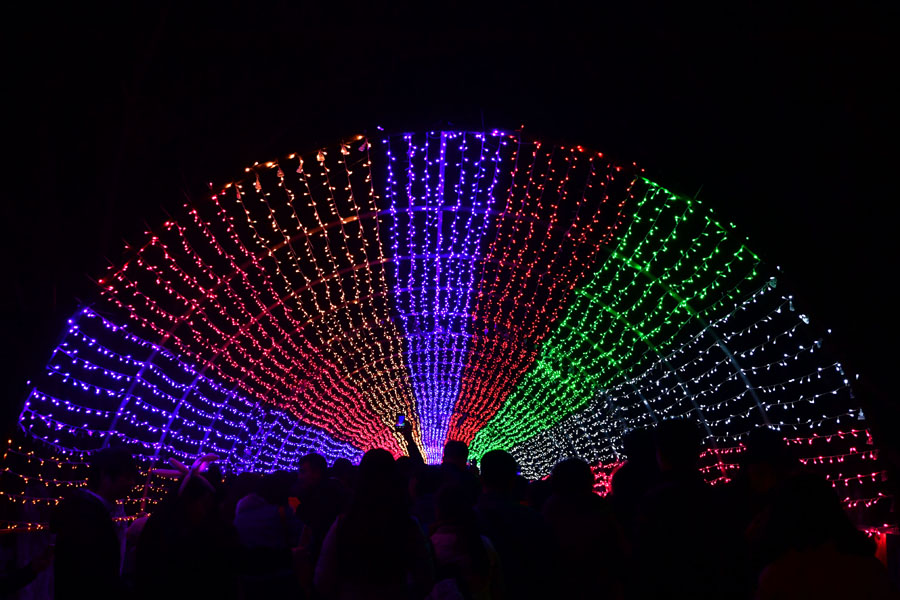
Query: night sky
{"points": [[781, 119]]}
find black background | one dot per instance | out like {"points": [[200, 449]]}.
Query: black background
{"points": [[781, 117]]}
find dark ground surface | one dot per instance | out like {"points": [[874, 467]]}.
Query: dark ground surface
{"points": [[784, 119]]}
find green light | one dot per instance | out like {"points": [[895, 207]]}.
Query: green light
{"points": [[673, 271]]}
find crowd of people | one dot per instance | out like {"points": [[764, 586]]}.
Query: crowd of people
{"points": [[401, 529]]}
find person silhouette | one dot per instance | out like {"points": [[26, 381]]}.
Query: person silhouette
{"points": [[89, 548]]}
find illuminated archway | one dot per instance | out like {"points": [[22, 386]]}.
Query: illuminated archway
{"points": [[491, 288]]}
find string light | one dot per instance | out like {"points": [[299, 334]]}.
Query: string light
{"points": [[489, 287], [92, 368]]}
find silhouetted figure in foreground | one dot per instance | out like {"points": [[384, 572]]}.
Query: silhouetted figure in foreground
{"points": [[455, 469], [412, 448], [344, 471], [268, 530], [634, 478], [456, 453], [186, 549], [820, 553], [679, 549], [588, 538], [423, 484], [766, 464], [460, 551], [518, 532], [23, 576], [237, 487], [375, 550], [322, 499], [88, 546]]}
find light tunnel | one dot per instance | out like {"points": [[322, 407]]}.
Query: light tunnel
{"points": [[489, 287]]}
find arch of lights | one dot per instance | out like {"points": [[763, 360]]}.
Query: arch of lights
{"points": [[492, 288]]}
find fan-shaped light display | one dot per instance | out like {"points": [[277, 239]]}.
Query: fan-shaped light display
{"points": [[490, 288]]}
